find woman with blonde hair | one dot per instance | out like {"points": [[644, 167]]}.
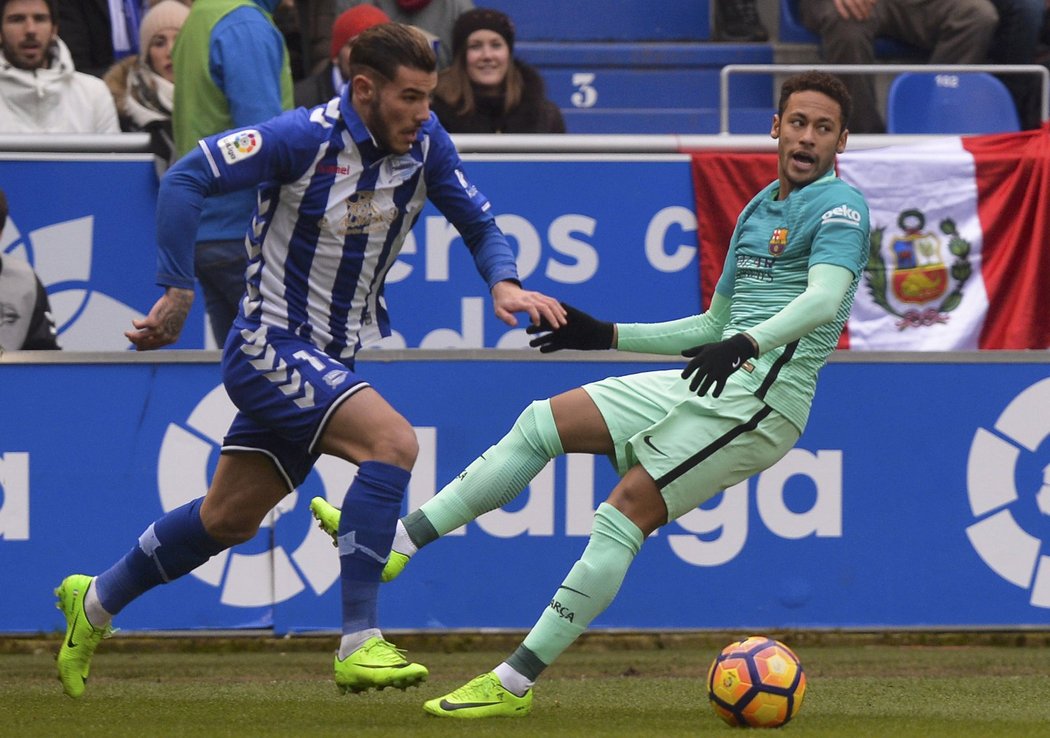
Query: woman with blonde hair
{"points": [[143, 86], [487, 90]]}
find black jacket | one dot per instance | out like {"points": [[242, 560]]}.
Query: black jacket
{"points": [[315, 89], [85, 28], [535, 113]]}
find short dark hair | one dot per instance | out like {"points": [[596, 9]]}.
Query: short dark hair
{"points": [[52, 7], [821, 82], [387, 46]]}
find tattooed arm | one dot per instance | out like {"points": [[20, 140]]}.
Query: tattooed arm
{"points": [[164, 323]]}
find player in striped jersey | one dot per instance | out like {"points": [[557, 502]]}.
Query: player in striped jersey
{"points": [[676, 438], [339, 188]]}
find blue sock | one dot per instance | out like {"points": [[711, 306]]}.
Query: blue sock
{"points": [[173, 545], [366, 530]]}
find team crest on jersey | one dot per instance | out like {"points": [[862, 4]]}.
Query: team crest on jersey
{"points": [[917, 277], [335, 377], [778, 241], [362, 215], [240, 145], [470, 189]]}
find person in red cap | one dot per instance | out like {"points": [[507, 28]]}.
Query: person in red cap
{"points": [[433, 17], [323, 86]]}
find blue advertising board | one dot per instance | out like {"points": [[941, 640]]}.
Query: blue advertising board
{"points": [[617, 233], [919, 496], [87, 225]]}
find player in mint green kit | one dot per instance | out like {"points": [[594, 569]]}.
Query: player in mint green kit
{"points": [[677, 437]]}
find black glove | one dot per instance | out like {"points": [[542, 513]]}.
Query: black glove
{"points": [[712, 363], [580, 331]]}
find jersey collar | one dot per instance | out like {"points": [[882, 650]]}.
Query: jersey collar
{"points": [[775, 191]]}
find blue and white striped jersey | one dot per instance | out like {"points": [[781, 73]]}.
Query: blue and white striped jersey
{"points": [[333, 211]]}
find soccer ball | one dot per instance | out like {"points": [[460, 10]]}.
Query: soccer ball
{"points": [[757, 682]]}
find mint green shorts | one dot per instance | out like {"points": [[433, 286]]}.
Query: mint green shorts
{"points": [[694, 447]]}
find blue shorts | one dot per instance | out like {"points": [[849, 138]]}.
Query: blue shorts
{"points": [[285, 389]]}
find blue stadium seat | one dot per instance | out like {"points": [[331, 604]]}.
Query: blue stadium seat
{"points": [[664, 120], [640, 87], [969, 102], [792, 31], [607, 20], [646, 87]]}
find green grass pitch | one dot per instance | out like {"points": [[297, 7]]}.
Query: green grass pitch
{"points": [[604, 686]]}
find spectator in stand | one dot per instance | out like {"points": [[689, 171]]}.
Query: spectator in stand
{"points": [[1016, 41], [40, 90], [307, 29], [435, 17], [953, 31], [231, 70], [487, 90], [326, 83], [143, 86], [26, 323], [737, 21], [96, 37]]}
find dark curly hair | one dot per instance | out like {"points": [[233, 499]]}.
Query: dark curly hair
{"points": [[818, 82]]}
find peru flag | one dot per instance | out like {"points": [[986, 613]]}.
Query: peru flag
{"points": [[959, 227]]}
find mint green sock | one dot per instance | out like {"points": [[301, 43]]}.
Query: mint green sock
{"points": [[591, 585], [494, 478]]}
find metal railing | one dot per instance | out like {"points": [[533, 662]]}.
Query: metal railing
{"points": [[122, 145], [729, 69], [80, 143]]}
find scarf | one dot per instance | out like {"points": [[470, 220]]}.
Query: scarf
{"points": [[149, 96]]}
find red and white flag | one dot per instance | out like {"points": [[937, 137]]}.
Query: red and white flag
{"points": [[959, 257]]}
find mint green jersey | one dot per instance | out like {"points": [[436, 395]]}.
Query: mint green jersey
{"points": [[773, 246]]}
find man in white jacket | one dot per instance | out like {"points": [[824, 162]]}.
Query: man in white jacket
{"points": [[40, 90]]}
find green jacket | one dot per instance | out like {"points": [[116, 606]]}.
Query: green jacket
{"points": [[201, 107]]}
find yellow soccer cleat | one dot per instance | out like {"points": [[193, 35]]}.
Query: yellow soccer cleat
{"points": [[378, 664], [482, 697], [327, 517], [82, 638]]}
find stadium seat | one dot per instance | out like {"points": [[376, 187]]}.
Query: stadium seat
{"points": [[792, 31], [927, 102], [652, 87], [601, 20]]}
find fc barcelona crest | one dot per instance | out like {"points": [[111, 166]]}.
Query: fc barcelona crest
{"points": [[918, 274], [778, 241]]}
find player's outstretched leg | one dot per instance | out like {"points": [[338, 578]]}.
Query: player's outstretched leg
{"points": [[482, 697], [377, 664], [82, 638], [489, 482], [173, 545], [587, 590]]}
